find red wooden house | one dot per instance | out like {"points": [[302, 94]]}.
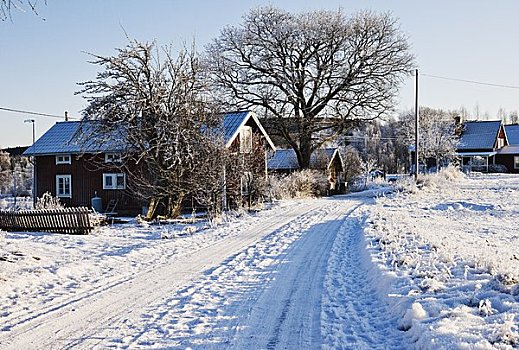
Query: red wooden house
{"points": [[509, 154], [77, 171]]}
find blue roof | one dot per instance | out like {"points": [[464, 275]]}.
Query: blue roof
{"points": [[283, 159], [479, 135], [70, 137], [286, 159], [232, 122], [512, 134]]}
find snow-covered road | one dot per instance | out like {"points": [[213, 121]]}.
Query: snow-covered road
{"points": [[267, 286]]}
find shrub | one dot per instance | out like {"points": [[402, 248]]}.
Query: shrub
{"points": [[300, 184], [46, 201]]}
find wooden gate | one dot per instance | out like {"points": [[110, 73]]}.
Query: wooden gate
{"points": [[66, 220]]}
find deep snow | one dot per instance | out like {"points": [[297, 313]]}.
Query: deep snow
{"points": [[429, 268], [449, 253], [252, 283]]}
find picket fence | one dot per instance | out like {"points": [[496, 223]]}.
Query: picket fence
{"points": [[66, 220]]}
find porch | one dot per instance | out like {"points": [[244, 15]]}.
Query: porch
{"points": [[477, 161]]}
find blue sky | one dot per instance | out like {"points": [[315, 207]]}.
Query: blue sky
{"points": [[42, 58]]}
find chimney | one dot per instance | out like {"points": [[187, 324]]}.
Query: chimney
{"points": [[458, 125]]}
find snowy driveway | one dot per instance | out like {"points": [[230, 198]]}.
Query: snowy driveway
{"points": [[269, 285]]}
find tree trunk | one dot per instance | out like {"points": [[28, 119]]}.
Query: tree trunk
{"points": [[305, 151], [175, 206], [152, 209]]}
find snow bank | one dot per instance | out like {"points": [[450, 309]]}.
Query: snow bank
{"points": [[451, 245]]}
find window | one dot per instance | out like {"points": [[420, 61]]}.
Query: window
{"points": [[63, 159], [516, 162], [64, 186], [246, 139], [114, 181], [112, 158]]}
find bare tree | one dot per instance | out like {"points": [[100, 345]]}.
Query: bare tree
{"points": [[438, 138], [7, 6], [160, 110], [366, 139], [354, 164], [5, 173], [502, 114], [312, 73]]}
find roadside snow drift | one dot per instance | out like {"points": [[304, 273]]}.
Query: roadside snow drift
{"points": [[452, 249]]}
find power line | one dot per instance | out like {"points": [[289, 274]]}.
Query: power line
{"points": [[470, 81], [34, 113]]}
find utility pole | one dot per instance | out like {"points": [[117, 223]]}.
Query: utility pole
{"points": [[416, 125], [32, 121]]}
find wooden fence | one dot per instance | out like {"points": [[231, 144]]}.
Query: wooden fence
{"points": [[67, 220]]}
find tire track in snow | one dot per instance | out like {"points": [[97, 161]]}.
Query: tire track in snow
{"points": [[208, 312], [78, 322], [287, 315], [354, 314]]}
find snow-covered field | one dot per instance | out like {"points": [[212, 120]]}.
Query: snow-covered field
{"points": [[449, 254], [431, 268]]}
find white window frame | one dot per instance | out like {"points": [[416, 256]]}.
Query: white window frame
{"points": [[246, 139], [63, 159], [114, 177], [64, 178], [113, 158], [516, 162]]}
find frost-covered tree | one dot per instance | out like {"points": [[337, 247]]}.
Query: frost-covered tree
{"points": [[15, 175], [311, 73], [438, 139], [5, 173], [353, 164], [395, 150], [159, 106]]}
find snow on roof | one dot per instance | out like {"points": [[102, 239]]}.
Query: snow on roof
{"points": [[479, 135], [67, 137], [512, 149], [286, 159], [512, 134], [476, 154], [283, 159], [232, 123]]}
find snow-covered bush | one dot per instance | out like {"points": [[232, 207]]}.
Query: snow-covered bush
{"points": [[507, 332], [363, 184], [442, 179], [47, 201], [300, 184], [407, 184]]}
